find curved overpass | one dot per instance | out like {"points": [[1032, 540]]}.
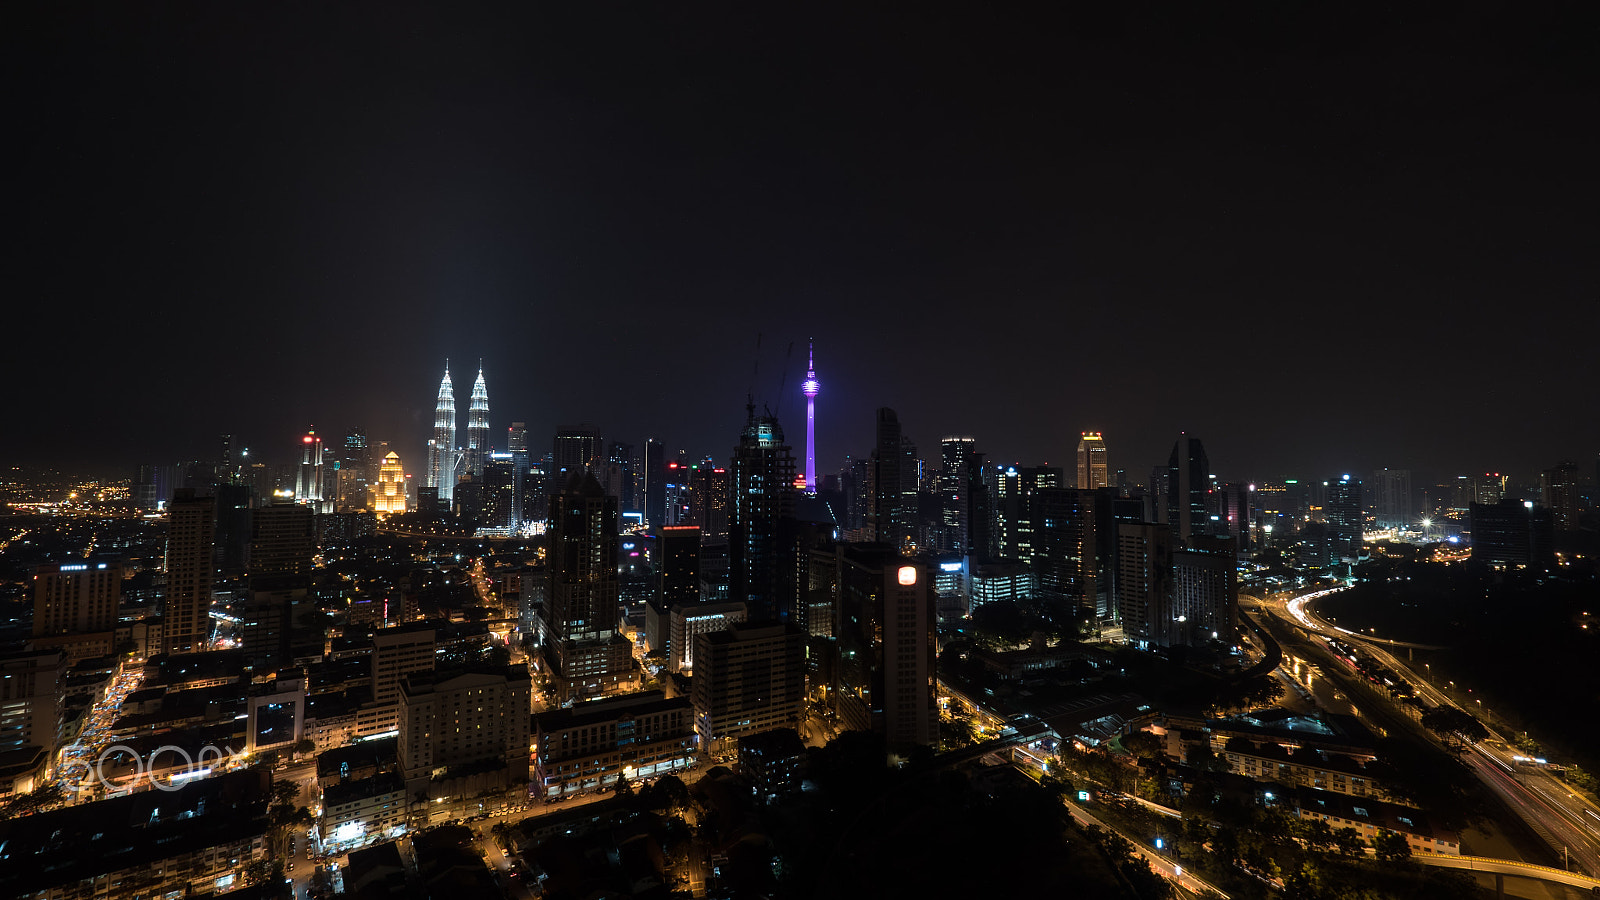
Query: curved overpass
{"points": [[1507, 867]]}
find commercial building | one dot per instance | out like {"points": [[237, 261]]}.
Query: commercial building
{"points": [[442, 455], [748, 678], [685, 624], [75, 607], [186, 611], [772, 762], [1093, 465], [1144, 583], [589, 746], [762, 494], [389, 493], [32, 688], [583, 652], [886, 646], [396, 653], [465, 730]]}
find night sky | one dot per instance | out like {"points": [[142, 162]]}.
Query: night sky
{"points": [[1321, 241]]}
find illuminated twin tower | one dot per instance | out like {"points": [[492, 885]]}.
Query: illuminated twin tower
{"points": [[446, 461]]}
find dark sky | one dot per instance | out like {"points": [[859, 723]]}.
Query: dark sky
{"points": [[1322, 241]]}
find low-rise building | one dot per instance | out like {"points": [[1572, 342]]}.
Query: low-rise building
{"points": [[1371, 817], [589, 746], [356, 812], [772, 761]]}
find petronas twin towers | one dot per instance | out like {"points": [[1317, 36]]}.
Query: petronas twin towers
{"points": [[447, 462]]}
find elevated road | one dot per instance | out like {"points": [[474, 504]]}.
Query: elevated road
{"points": [[1507, 867]]}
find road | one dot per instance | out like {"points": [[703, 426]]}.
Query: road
{"points": [[1163, 866], [1507, 867], [1563, 819]]}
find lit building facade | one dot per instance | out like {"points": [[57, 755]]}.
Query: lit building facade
{"points": [[441, 473], [1093, 468], [478, 426], [811, 387], [389, 494]]}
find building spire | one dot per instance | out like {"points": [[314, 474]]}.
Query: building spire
{"points": [[478, 426], [811, 387], [442, 447]]}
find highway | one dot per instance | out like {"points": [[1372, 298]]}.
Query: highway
{"points": [[1507, 867], [1163, 866], [1563, 819]]}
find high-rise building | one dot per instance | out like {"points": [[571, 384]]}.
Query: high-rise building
{"points": [[1512, 533], [32, 688], [617, 476], [389, 494], [583, 650], [1489, 488], [709, 490], [355, 474], [186, 611], [309, 477], [1236, 506], [1063, 545], [1558, 492], [75, 607], [892, 484], [1391, 495], [1205, 592], [678, 571], [517, 446], [396, 653], [1093, 471], [499, 491], [955, 508], [575, 450], [442, 446], [478, 426], [1144, 583], [655, 482], [451, 720], [811, 387], [747, 679], [762, 494], [1344, 518], [282, 544], [1188, 477], [885, 631]]}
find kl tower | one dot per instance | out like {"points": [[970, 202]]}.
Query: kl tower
{"points": [[809, 387]]}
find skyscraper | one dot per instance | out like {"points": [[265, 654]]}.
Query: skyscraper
{"points": [[1391, 490], [762, 493], [957, 455], [892, 477], [655, 482], [186, 615], [389, 494], [75, 607], [583, 651], [478, 426], [1092, 467], [355, 475], [810, 387], [442, 446], [1558, 492], [1342, 513], [517, 446], [575, 450], [1188, 486], [308, 478]]}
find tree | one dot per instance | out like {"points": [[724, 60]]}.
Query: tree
{"points": [[283, 793], [1317, 834], [305, 746], [1348, 842], [624, 788], [1392, 848], [1455, 727]]}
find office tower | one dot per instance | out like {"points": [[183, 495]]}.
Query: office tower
{"points": [[956, 454], [584, 653], [442, 446], [1111, 512], [477, 453], [762, 492], [655, 482], [309, 477], [468, 502], [1063, 544], [75, 607], [747, 679], [1237, 505], [1512, 533], [1018, 491], [1558, 492], [575, 450], [678, 569], [517, 446], [1489, 488], [617, 476], [186, 614], [32, 688], [1188, 484], [710, 492], [354, 475], [1205, 591], [1144, 583], [1343, 516], [982, 540], [499, 490], [396, 653], [389, 494], [810, 387], [886, 651], [892, 484], [1093, 471], [282, 544], [1391, 496]]}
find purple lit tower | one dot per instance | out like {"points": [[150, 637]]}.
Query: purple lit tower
{"points": [[810, 387]]}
